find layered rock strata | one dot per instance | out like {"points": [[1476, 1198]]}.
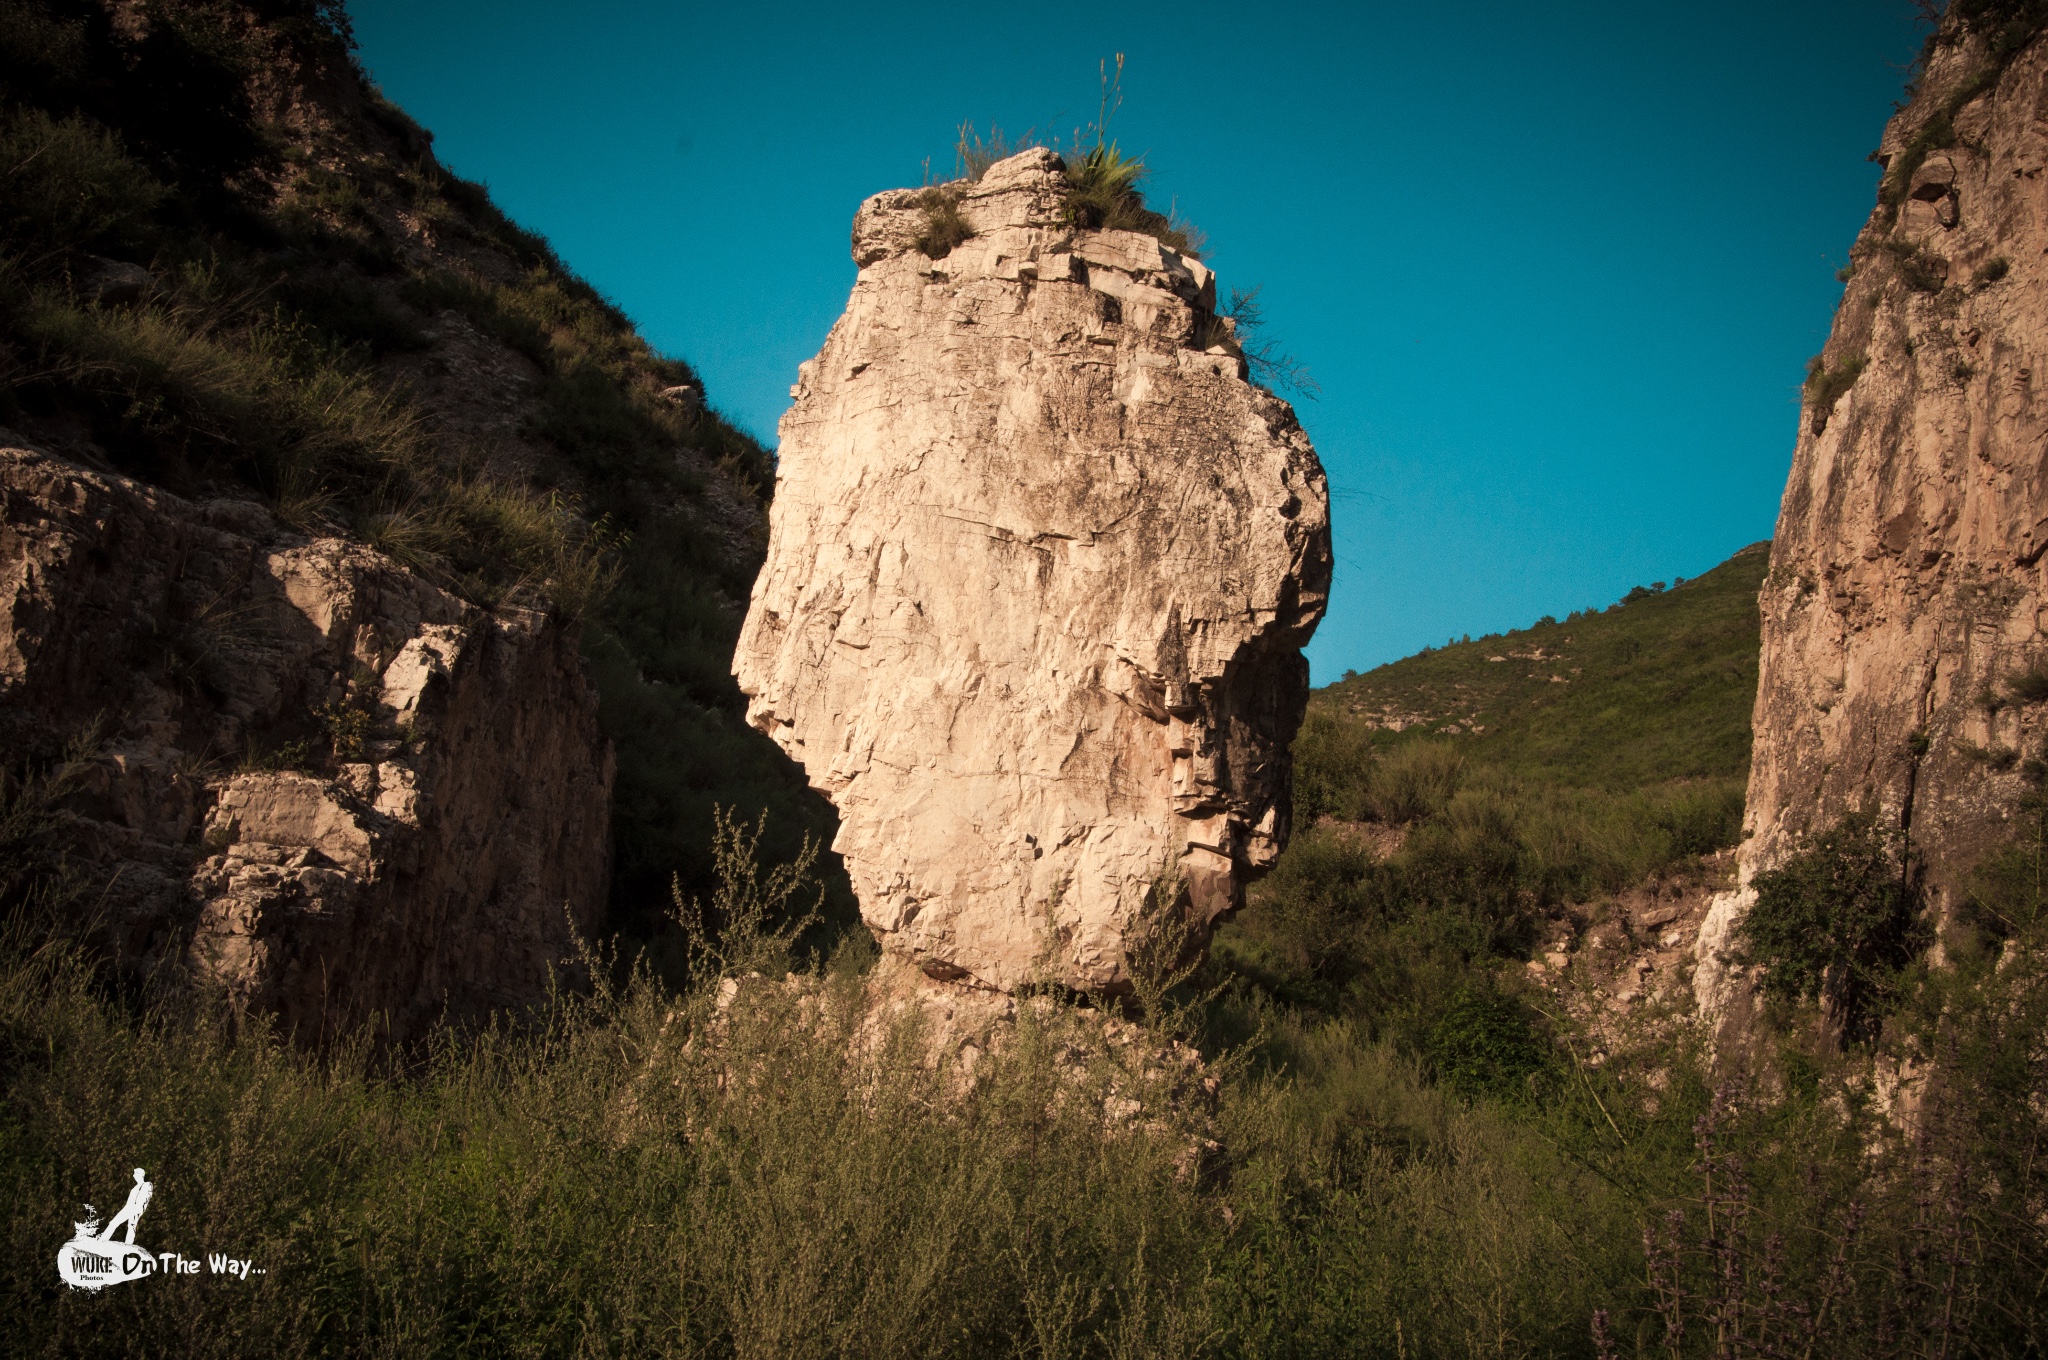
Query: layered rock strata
{"points": [[1041, 562], [1908, 575], [334, 788]]}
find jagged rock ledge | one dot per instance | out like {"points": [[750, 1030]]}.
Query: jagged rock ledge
{"points": [[448, 817]]}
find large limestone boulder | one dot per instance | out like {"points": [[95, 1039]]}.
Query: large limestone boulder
{"points": [[1908, 580], [321, 781], [1041, 562]]}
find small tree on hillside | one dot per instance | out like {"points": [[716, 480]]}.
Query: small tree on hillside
{"points": [[1836, 922]]}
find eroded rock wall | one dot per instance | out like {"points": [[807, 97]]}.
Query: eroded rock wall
{"points": [[1908, 577], [321, 781], [1041, 563]]}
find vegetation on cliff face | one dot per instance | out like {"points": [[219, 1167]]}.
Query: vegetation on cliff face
{"points": [[230, 267]]}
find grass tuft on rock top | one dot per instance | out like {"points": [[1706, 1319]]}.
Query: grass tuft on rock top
{"points": [[1104, 181]]}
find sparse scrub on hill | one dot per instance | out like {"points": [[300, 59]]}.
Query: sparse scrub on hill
{"points": [[288, 275], [1427, 861], [1656, 689], [1346, 930]]}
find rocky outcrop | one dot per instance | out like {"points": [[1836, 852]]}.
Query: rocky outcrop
{"points": [[1041, 561], [334, 788], [1908, 577]]}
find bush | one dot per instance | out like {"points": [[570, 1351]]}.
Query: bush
{"points": [[2029, 686], [1486, 1045], [71, 184], [1333, 765], [1918, 270], [944, 227], [766, 1169], [1825, 385], [1416, 780], [1836, 921]]}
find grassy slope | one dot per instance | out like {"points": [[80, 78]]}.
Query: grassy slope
{"points": [[1505, 800], [1657, 688]]}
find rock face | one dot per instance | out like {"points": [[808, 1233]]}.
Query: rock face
{"points": [[324, 782], [1040, 564], [1908, 579]]}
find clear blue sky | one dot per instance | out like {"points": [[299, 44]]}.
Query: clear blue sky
{"points": [[1557, 267]]}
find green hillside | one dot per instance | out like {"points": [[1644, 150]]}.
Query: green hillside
{"points": [[1452, 809], [1657, 686]]}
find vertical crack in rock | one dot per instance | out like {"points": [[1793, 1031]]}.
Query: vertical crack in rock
{"points": [[1041, 562]]}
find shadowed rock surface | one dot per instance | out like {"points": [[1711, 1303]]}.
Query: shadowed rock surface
{"points": [[1907, 570], [422, 797], [1041, 563]]}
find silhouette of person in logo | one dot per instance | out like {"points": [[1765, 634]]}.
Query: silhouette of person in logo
{"points": [[138, 1200]]}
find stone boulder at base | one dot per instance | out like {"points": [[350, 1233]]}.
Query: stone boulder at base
{"points": [[1041, 562], [332, 787]]}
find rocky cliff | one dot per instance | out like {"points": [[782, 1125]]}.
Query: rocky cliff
{"points": [[1908, 577], [325, 474], [334, 788], [1040, 564]]}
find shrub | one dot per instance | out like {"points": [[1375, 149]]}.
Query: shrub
{"points": [[352, 311], [1837, 922], [1333, 763], [944, 226], [2030, 686], [1416, 780], [1486, 1045], [71, 183], [1918, 270], [1271, 367], [1992, 270], [348, 727], [1825, 385], [2006, 894]]}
